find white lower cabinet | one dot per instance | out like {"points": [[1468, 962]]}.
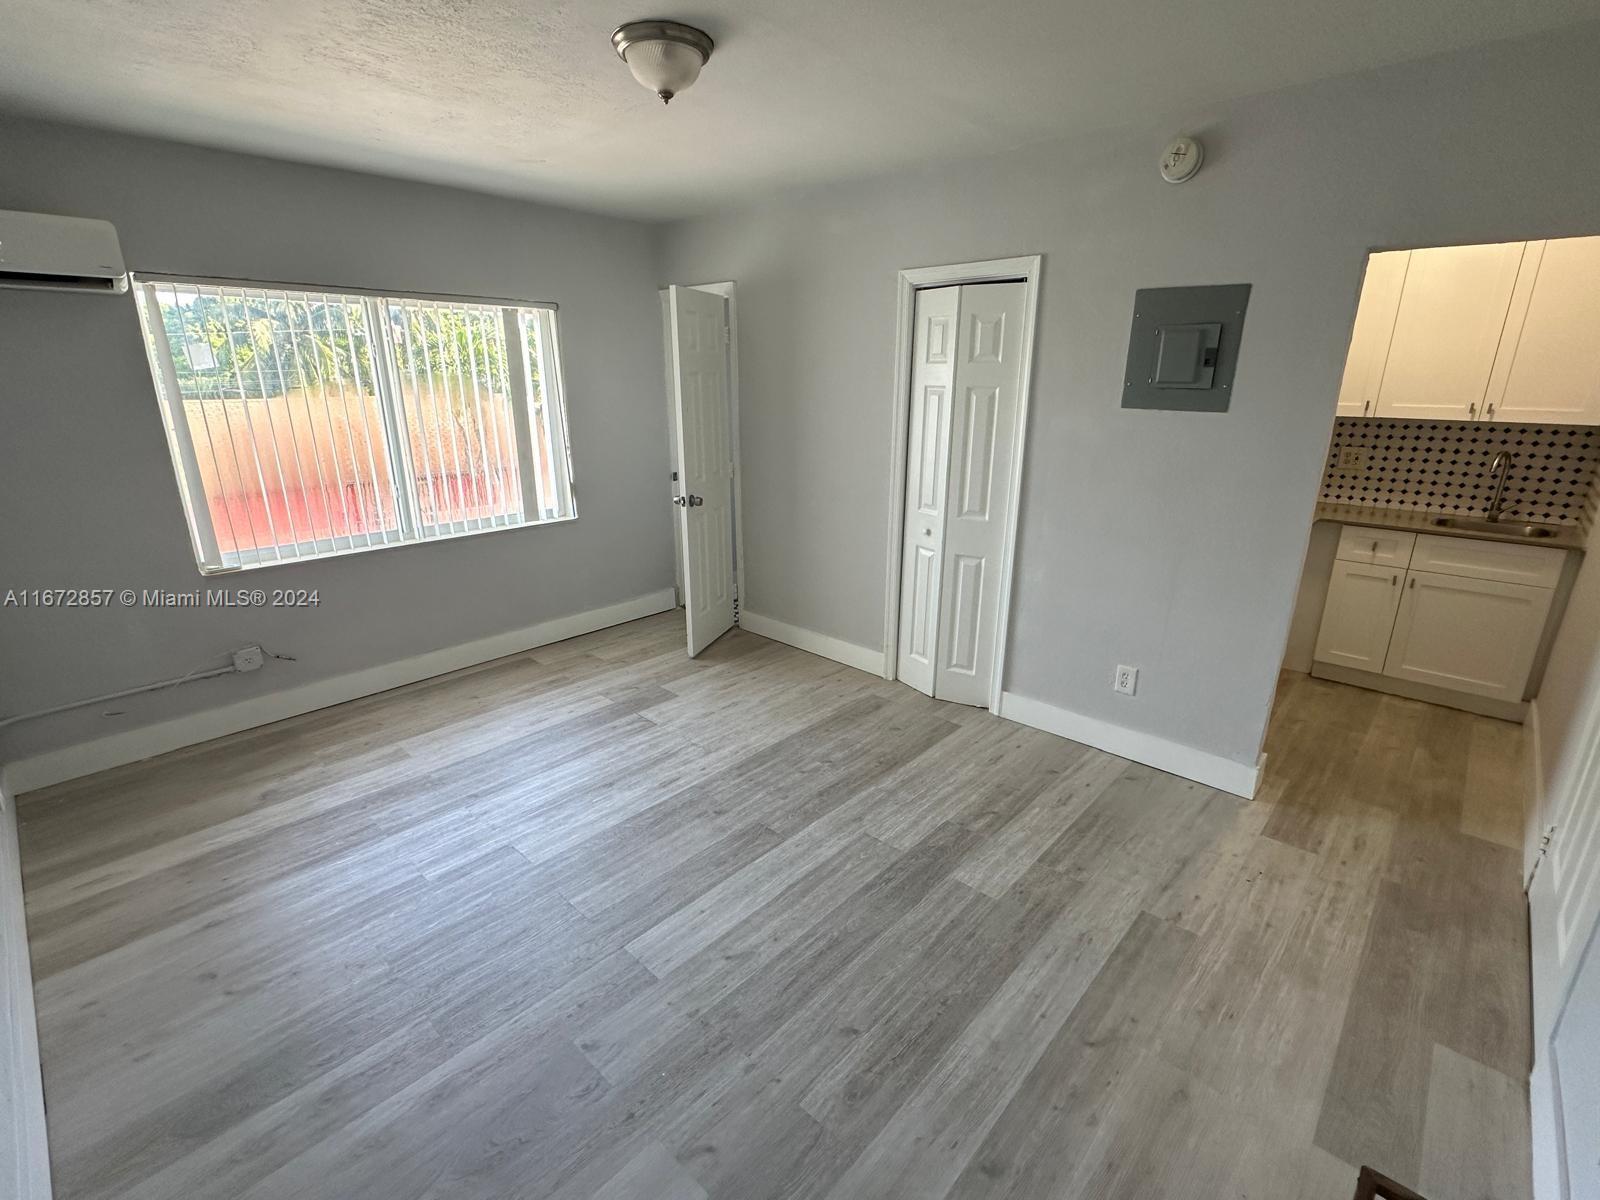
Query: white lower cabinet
{"points": [[1359, 618], [1462, 615], [1468, 635]]}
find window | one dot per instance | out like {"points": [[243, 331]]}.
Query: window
{"points": [[307, 423]]}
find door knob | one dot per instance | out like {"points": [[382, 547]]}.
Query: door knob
{"points": [[690, 501]]}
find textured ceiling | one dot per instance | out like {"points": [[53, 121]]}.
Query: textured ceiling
{"points": [[528, 98]]}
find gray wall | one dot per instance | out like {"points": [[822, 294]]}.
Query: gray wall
{"points": [[86, 484], [1166, 540], [1312, 596]]}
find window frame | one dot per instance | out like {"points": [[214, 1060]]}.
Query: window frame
{"points": [[409, 529]]}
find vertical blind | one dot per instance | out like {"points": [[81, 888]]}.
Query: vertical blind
{"points": [[305, 423]]}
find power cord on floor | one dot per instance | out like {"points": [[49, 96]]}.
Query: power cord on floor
{"points": [[237, 657]]}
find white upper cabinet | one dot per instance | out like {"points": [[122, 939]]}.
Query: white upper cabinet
{"points": [[1502, 332], [1447, 331], [1548, 369], [1369, 340]]}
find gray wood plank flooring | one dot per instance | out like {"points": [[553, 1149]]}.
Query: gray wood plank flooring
{"points": [[597, 922]]}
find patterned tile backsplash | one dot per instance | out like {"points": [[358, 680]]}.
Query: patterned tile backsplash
{"points": [[1443, 466]]}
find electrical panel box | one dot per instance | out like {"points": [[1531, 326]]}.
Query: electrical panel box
{"points": [[1183, 347]]}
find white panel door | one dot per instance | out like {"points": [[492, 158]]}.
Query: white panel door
{"points": [[1550, 361], [1468, 635], [1358, 618], [1576, 1051], [700, 391], [985, 397], [1369, 339], [1564, 914], [1452, 313], [927, 476]]}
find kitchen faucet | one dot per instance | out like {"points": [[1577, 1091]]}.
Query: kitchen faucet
{"points": [[1498, 469]]}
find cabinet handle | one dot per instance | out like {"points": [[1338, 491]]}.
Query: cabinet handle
{"points": [[1489, 412], [1412, 582], [1365, 404], [1394, 580], [1472, 411]]}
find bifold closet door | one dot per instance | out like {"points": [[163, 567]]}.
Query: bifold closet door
{"points": [[966, 383], [933, 355]]}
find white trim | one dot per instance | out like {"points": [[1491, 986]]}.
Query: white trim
{"points": [[863, 658], [24, 1151], [85, 758], [672, 437], [328, 289], [1028, 269], [1147, 748], [1533, 814]]}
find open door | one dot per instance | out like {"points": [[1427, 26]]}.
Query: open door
{"points": [[698, 349]]}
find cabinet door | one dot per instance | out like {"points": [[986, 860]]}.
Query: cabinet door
{"points": [[1452, 312], [1549, 364], [1468, 635], [1369, 339], [1359, 615]]}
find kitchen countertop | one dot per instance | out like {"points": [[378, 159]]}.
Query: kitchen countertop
{"points": [[1410, 520]]}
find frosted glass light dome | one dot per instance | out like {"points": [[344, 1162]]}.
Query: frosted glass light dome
{"points": [[664, 56]]}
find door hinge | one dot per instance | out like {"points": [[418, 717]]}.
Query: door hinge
{"points": [[1540, 855], [727, 336]]}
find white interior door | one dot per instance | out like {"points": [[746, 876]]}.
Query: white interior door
{"points": [[983, 423], [1564, 915], [927, 477], [966, 383], [1575, 1051], [700, 393]]}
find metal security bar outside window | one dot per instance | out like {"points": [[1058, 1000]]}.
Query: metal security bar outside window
{"points": [[305, 423]]}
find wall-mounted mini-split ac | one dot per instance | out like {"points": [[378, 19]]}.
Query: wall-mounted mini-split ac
{"points": [[60, 254]]}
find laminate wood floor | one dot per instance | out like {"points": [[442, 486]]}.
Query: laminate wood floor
{"points": [[599, 921]]}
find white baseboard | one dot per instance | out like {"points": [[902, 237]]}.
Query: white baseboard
{"points": [[24, 1151], [863, 658], [1198, 765], [85, 758]]}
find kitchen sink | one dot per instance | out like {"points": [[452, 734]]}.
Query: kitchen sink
{"points": [[1518, 529]]}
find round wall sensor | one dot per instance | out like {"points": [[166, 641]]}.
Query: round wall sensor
{"points": [[1181, 159]]}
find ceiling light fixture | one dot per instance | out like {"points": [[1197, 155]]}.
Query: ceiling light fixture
{"points": [[665, 56]]}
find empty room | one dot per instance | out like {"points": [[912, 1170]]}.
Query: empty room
{"points": [[887, 602]]}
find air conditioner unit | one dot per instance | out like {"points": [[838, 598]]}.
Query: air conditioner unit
{"points": [[60, 254]]}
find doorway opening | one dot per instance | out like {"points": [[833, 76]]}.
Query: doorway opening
{"points": [[963, 365]]}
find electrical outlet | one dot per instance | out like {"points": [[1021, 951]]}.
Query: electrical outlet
{"points": [[1126, 680], [247, 658], [1350, 457]]}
